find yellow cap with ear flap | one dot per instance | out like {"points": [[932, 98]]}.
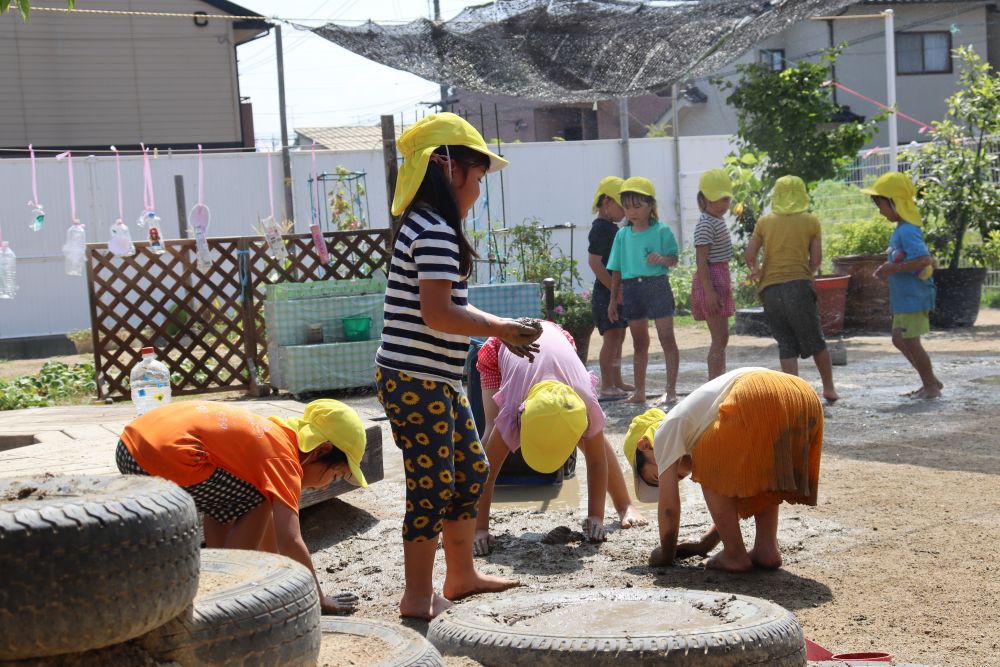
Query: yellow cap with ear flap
{"points": [[642, 426], [610, 186], [790, 196], [553, 420], [715, 184], [421, 139], [327, 420], [903, 193]]}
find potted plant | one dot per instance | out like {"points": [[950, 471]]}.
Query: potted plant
{"points": [[82, 340], [958, 194], [573, 313], [857, 249]]}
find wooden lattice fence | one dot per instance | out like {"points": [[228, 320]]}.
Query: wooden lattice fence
{"points": [[207, 327]]}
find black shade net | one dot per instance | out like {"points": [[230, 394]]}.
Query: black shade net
{"points": [[577, 50]]}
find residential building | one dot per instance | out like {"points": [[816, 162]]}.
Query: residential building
{"points": [[86, 81]]}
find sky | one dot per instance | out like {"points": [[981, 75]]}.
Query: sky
{"points": [[326, 85]]}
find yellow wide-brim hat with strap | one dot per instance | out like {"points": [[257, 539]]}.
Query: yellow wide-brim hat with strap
{"points": [[790, 196], [421, 139], [638, 184], [327, 420], [610, 186], [715, 184], [642, 426], [903, 193], [553, 420]]}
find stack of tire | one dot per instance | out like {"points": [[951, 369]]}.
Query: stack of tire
{"points": [[105, 571]]}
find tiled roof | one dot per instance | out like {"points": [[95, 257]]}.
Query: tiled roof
{"points": [[349, 138]]}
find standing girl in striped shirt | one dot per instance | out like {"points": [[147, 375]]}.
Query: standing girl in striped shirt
{"points": [[419, 365], [712, 287]]}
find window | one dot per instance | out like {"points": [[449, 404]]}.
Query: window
{"points": [[923, 52], [772, 59]]}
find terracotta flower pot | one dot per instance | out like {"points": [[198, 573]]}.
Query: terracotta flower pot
{"points": [[867, 302]]}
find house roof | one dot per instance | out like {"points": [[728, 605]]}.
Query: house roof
{"points": [[347, 138], [245, 30]]}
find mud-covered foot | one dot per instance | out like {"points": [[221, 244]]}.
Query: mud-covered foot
{"points": [[637, 398], [723, 562], [460, 589], [626, 387], [612, 392], [933, 391], [831, 395], [632, 517], [765, 559], [666, 401], [423, 608], [341, 604]]}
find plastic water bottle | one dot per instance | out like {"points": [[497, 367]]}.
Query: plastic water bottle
{"points": [[150, 382], [8, 271], [152, 222], [75, 249]]}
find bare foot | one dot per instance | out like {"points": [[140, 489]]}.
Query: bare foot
{"points": [[831, 396], [626, 387], [612, 392], [666, 401], [479, 583], [637, 398], [632, 517], [726, 563], [932, 392], [423, 608], [765, 559]]}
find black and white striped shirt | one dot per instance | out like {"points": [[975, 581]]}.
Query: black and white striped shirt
{"points": [[712, 231], [426, 249]]}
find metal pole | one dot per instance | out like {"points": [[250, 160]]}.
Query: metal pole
{"points": [[444, 106], [389, 158], [182, 223], [675, 130], [623, 129], [286, 158], [890, 81]]}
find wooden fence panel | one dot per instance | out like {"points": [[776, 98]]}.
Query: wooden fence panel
{"points": [[208, 328]]}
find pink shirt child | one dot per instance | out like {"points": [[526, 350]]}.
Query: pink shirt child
{"points": [[556, 360]]}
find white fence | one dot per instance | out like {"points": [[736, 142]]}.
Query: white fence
{"points": [[553, 182]]}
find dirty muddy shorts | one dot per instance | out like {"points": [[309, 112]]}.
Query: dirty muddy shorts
{"points": [[647, 298], [600, 300], [223, 496], [792, 312]]}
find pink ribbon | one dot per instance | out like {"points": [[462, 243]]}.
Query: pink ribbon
{"points": [[923, 126], [72, 188], [147, 174], [34, 177], [315, 211], [118, 169], [201, 179], [270, 183]]}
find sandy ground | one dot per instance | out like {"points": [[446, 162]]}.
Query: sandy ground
{"points": [[900, 555]]}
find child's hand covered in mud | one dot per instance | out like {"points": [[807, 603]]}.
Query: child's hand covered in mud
{"points": [[483, 543], [519, 337], [593, 529]]}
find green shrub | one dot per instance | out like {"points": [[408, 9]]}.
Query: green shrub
{"points": [[55, 383], [862, 237]]}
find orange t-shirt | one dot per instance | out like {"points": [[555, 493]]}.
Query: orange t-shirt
{"points": [[185, 442]]}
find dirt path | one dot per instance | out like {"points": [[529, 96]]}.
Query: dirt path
{"points": [[900, 555]]}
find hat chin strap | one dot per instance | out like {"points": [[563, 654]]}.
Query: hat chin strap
{"points": [[443, 160]]}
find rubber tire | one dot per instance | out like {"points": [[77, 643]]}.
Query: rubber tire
{"points": [[88, 562], [763, 634], [409, 648], [267, 615]]}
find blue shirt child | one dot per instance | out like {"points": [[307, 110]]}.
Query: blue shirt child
{"points": [[907, 292]]}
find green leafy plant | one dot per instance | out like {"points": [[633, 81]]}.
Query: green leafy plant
{"points": [[55, 383], [533, 257], [680, 281], [862, 237], [659, 130], [787, 117], [344, 200], [25, 6], [957, 182], [750, 189], [573, 311]]}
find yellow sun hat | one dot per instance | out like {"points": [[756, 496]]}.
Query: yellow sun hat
{"points": [[642, 426], [610, 186], [327, 420], [421, 139], [552, 423], [638, 184], [715, 184], [901, 190], [790, 196]]}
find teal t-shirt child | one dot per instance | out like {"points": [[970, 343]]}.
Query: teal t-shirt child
{"points": [[630, 248]]}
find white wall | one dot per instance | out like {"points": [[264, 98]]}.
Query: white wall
{"points": [[553, 182]]}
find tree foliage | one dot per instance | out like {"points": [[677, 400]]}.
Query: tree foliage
{"points": [[957, 171], [25, 6], [787, 116]]}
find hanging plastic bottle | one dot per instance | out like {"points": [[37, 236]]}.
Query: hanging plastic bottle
{"points": [[120, 243], [37, 211], [149, 383], [8, 271], [200, 218], [75, 248], [149, 219], [320, 243], [272, 234]]}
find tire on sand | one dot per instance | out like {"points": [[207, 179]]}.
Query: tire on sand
{"points": [[620, 627], [252, 609], [407, 648], [88, 562]]}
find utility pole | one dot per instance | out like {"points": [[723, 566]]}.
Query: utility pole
{"points": [[623, 128], [444, 87], [286, 159], [890, 85]]}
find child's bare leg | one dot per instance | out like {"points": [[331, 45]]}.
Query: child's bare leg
{"points": [[765, 553], [824, 364], [640, 358], [627, 512], [215, 532], [672, 355], [419, 599], [619, 382], [790, 366], [719, 328], [734, 556], [461, 578], [610, 350], [921, 362]]}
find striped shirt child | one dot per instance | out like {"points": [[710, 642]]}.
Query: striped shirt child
{"points": [[712, 231]]}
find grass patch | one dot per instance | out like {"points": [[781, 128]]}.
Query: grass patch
{"points": [[55, 384]]}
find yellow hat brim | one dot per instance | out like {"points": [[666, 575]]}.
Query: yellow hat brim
{"points": [[414, 168]]}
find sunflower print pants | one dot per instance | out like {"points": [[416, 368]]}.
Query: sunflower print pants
{"points": [[446, 466]]}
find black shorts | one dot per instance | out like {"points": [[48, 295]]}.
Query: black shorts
{"points": [[647, 298], [600, 299], [794, 318], [223, 496]]}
